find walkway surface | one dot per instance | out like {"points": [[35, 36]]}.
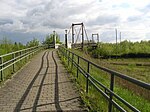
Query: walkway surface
{"points": [[42, 85]]}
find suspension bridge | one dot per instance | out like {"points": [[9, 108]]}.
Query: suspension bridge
{"points": [[44, 84]]}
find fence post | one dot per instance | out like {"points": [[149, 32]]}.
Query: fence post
{"points": [[66, 54], [25, 55], [72, 61], [1, 67], [78, 66], [13, 56], [111, 88], [87, 77], [68, 57]]}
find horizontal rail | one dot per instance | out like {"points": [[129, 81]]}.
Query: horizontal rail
{"points": [[18, 51], [24, 53], [123, 76]]}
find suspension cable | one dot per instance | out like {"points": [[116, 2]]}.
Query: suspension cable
{"points": [[78, 35], [86, 33]]}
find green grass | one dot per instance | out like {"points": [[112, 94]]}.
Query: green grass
{"points": [[95, 100]]}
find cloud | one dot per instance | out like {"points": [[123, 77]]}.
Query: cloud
{"points": [[5, 21], [134, 18], [29, 17], [104, 19]]}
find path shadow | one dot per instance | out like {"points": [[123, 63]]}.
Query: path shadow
{"points": [[19, 104], [57, 105]]}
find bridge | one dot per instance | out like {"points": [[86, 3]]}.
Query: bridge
{"points": [[44, 84], [79, 37]]}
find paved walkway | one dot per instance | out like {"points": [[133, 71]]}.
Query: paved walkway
{"points": [[42, 85]]}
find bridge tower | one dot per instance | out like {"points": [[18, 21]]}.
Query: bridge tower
{"points": [[96, 34], [82, 33]]}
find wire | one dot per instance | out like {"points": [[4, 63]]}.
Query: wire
{"points": [[78, 35], [69, 30], [86, 33]]}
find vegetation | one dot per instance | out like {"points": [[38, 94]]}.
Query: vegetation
{"points": [[33, 43], [50, 39], [124, 49], [7, 46]]}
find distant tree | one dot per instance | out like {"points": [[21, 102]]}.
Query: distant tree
{"points": [[50, 39], [33, 43]]}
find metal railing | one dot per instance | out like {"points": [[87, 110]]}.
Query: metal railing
{"points": [[108, 93], [10, 59]]}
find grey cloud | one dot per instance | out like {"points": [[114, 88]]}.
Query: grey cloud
{"points": [[145, 9], [6, 21], [104, 19], [134, 18], [108, 36]]}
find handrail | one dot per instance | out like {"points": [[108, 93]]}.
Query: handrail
{"points": [[128, 78], [66, 53], [24, 53], [17, 51]]}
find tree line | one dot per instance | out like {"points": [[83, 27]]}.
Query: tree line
{"points": [[7, 46], [124, 49]]}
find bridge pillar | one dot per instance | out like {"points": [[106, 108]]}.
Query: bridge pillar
{"points": [[66, 41], [54, 39]]}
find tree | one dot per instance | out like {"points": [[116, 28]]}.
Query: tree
{"points": [[33, 43], [50, 39]]}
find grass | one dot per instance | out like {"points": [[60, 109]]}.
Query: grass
{"points": [[95, 101]]}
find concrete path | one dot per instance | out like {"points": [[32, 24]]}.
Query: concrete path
{"points": [[42, 85]]}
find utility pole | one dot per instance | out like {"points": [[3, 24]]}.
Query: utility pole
{"points": [[82, 36], [66, 41], [120, 37], [120, 43], [116, 43]]}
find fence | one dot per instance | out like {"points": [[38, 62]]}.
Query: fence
{"points": [[10, 59], [108, 93]]}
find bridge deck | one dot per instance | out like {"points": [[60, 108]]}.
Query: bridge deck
{"points": [[42, 85]]}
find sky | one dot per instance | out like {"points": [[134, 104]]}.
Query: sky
{"points": [[23, 20]]}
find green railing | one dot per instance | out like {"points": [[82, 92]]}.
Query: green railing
{"points": [[108, 93], [10, 59]]}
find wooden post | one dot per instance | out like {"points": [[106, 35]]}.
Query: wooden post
{"points": [[1, 67], [82, 36]]}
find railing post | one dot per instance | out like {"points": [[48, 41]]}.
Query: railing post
{"points": [[26, 54], [87, 77], [20, 56], [72, 61], [68, 57], [13, 67], [111, 88], [66, 54], [78, 66], [1, 67]]}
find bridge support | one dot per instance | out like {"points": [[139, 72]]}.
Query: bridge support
{"points": [[82, 28], [66, 41], [54, 39], [97, 37]]}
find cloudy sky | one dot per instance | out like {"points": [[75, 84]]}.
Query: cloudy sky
{"points": [[21, 20]]}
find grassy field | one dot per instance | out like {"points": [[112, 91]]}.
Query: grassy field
{"points": [[124, 89], [125, 66]]}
